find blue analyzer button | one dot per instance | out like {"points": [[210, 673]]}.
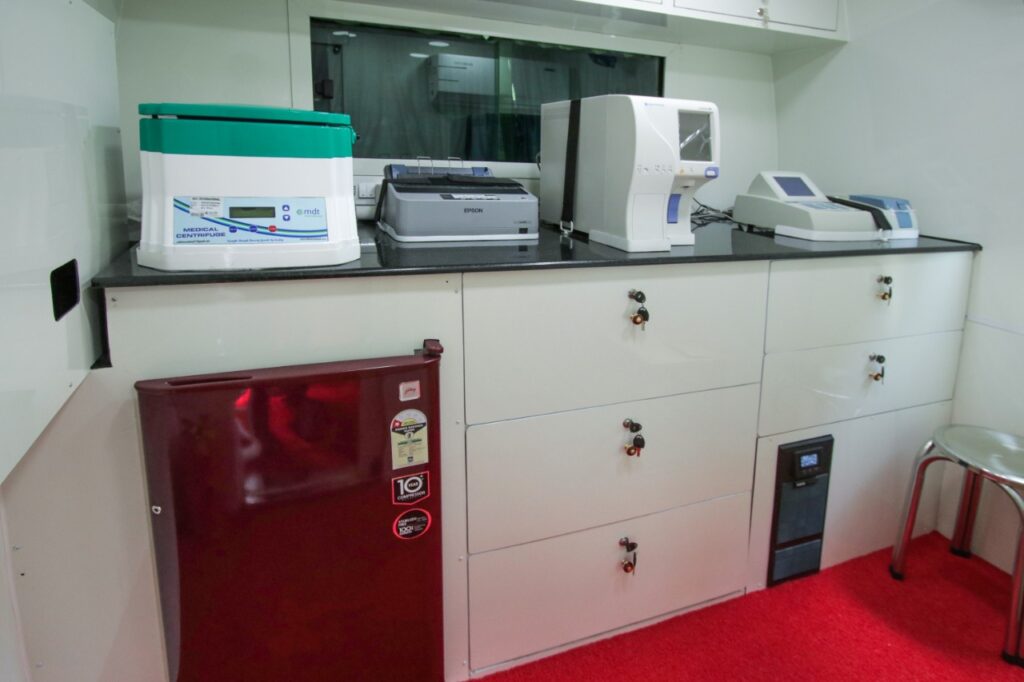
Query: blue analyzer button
{"points": [[286, 218], [286, 207], [711, 172], [673, 207]]}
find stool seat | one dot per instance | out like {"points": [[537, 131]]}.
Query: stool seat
{"points": [[998, 455], [984, 454]]}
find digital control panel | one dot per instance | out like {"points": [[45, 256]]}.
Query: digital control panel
{"points": [[249, 220]]}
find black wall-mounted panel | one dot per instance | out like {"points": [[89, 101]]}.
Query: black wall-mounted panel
{"points": [[64, 289], [798, 519]]}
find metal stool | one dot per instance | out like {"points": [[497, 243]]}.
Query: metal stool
{"points": [[999, 457]]}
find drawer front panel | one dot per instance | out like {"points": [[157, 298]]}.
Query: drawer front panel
{"points": [[824, 385], [541, 342], [545, 476], [814, 303], [536, 596]]}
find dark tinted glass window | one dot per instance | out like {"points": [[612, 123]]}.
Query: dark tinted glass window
{"points": [[421, 93]]}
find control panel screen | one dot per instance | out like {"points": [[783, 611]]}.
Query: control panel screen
{"points": [[694, 136], [808, 461], [252, 212], [794, 186]]}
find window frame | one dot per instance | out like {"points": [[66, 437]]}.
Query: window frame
{"points": [[302, 12]]}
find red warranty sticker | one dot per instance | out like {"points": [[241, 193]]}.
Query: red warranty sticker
{"points": [[410, 489], [411, 524]]}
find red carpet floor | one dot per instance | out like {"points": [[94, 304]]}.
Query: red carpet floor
{"points": [[850, 622]]}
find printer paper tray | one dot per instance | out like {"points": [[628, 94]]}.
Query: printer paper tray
{"points": [[390, 231]]}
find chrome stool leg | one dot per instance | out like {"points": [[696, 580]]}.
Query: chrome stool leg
{"points": [[968, 510], [899, 551], [1011, 648]]}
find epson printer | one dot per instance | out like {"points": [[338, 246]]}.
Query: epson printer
{"points": [[428, 204]]}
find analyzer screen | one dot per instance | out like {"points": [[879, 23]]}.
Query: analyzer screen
{"points": [[794, 186], [694, 136]]}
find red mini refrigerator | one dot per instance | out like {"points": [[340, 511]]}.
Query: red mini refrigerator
{"points": [[296, 519]]}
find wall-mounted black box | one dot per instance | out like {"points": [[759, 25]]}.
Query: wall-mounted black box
{"points": [[798, 516]]}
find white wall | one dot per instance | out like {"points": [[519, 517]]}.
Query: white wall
{"points": [[924, 102], [62, 190], [12, 653]]}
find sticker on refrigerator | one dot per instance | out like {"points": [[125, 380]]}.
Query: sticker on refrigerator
{"points": [[411, 524], [409, 439], [409, 390], [410, 489]]}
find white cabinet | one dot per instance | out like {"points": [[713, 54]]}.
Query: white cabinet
{"points": [[539, 477], [821, 15], [554, 367], [532, 597], [542, 342], [826, 302], [823, 385], [737, 8]]}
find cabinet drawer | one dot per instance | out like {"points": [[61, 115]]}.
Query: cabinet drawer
{"points": [[540, 342], [824, 385], [544, 476], [536, 596], [814, 303]]}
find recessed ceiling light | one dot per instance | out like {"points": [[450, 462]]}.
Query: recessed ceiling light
{"points": [[340, 33], [418, 55], [438, 43]]}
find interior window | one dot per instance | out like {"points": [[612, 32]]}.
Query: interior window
{"points": [[414, 93]]}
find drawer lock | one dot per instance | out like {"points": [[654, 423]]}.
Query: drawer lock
{"points": [[635, 448], [642, 315], [879, 373], [629, 563], [886, 295]]}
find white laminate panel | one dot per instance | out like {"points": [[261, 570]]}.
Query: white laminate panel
{"points": [[569, 471], [827, 302], [540, 342], [823, 385], [872, 459], [536, 596]]}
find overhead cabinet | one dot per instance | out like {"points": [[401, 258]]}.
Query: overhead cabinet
{"points": [[781, 15]]}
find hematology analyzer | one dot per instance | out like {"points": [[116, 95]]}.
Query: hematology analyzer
{"points": [[792, 205], [624, 168], [240, 187]]}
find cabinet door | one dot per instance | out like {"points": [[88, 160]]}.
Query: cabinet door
{"points": [[831, 301], [541, 342], [737, 8], [544, 476], [824, 385], [819, 14], [543, 594], [871, 466], [822, 14]]}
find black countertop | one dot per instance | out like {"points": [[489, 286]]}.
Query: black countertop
{"points": [[382, 255]]}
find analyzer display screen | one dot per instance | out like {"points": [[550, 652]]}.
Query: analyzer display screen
{"points": [[252, 212], [794, 186], [694, 136], [808, 461]]}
